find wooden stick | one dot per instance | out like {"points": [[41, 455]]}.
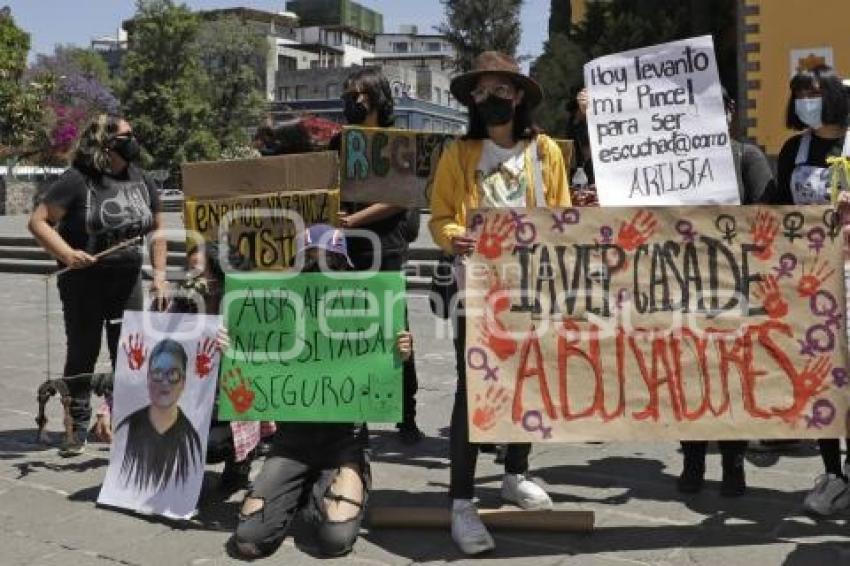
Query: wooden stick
{"points": [[504, 518], [104, 253]]}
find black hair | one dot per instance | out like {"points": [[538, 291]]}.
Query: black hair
{"points": [[374, 84], [836, 106], [211, 251], [173, 347], [90, 156], [524, 126], [152, 459]]}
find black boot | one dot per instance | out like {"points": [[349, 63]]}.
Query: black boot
{"points": [[693, 471], [734, 483]]}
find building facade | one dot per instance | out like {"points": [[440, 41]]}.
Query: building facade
{"points": [[112, 49], [776, 38], [337, 13]]}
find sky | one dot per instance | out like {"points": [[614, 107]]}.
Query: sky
{"points": [[51, 22]]}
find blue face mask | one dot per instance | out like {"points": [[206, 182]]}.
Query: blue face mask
{"points": [[809, 111]]}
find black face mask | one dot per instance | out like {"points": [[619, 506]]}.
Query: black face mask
{"points": [[128, 148], [355, 112], [495, 111]]}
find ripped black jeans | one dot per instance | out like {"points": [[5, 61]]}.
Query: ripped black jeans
{"points": [[298, 475]]}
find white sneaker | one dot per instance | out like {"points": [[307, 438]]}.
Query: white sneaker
{"points": [[468, 532], [518, 489], [830, 495]]}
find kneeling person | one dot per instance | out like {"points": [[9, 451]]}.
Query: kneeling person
{"points": [[321, 469]]}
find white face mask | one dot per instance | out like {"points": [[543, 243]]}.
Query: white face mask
{"points": [[809, 111]]}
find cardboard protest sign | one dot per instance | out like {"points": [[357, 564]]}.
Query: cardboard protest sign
{"points": [[657, 127], [264, 175], [165, 380], [313, 347], [672, 323], [261, 228], [397, 166], [389, 165], [257, 206]]}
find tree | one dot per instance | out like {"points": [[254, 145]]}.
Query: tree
{"points": [[232, 55], [164, 86], [611, 26], [21, 101], [559, 70], [473, 26], [560, 17], [69, 59], [80, 93]]}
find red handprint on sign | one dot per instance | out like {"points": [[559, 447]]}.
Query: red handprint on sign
{"points": [[807, 384], [492, 244], [771, 298], [813, 278], [494, 403], [637, 231], [136, 352], [238, 390], [495, 334], [763, 231], [204, 357]]}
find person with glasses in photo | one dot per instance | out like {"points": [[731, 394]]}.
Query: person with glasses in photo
{"points": [[103, 202], [162, 446]]}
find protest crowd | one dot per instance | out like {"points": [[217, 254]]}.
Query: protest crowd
{"points": [[540, 268]]}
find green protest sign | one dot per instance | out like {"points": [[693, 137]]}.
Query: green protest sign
{"points": [[312, 347]]}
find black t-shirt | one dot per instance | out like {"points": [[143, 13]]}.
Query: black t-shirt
{"points": [[103, 211], [819, 150], [392, 232], [152, 459]]}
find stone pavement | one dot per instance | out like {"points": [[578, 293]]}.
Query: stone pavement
{"points": [[48, 515]]}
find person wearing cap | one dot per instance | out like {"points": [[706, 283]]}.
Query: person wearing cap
{"points": [[320, 469], [502, 162]]}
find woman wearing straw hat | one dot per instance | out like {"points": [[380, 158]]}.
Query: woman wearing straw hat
{"points": [[502, 162]]}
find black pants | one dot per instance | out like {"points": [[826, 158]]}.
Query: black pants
{"points": [[298, 475], [463, 454], [91, 299], [830, 453], [731, 451], [394, 261]]}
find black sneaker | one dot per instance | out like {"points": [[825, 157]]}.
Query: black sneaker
{"points": [[692, 477], [410, 434]]}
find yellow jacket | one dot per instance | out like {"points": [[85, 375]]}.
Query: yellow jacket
{"points": [[455, 192]]}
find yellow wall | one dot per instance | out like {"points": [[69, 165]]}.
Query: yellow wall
{"points": [[785, 25]]}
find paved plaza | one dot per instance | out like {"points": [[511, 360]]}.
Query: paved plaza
{"points": [[48, 515]]}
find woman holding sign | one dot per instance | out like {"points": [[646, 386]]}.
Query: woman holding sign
{"points": [[818, 107], [368, 102], [502, 162], [90, 220]]}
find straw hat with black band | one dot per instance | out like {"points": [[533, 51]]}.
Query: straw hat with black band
{"points": [[495, 63]]}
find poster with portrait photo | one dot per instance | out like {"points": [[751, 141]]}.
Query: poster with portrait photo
{"points": [[165, 385]]}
